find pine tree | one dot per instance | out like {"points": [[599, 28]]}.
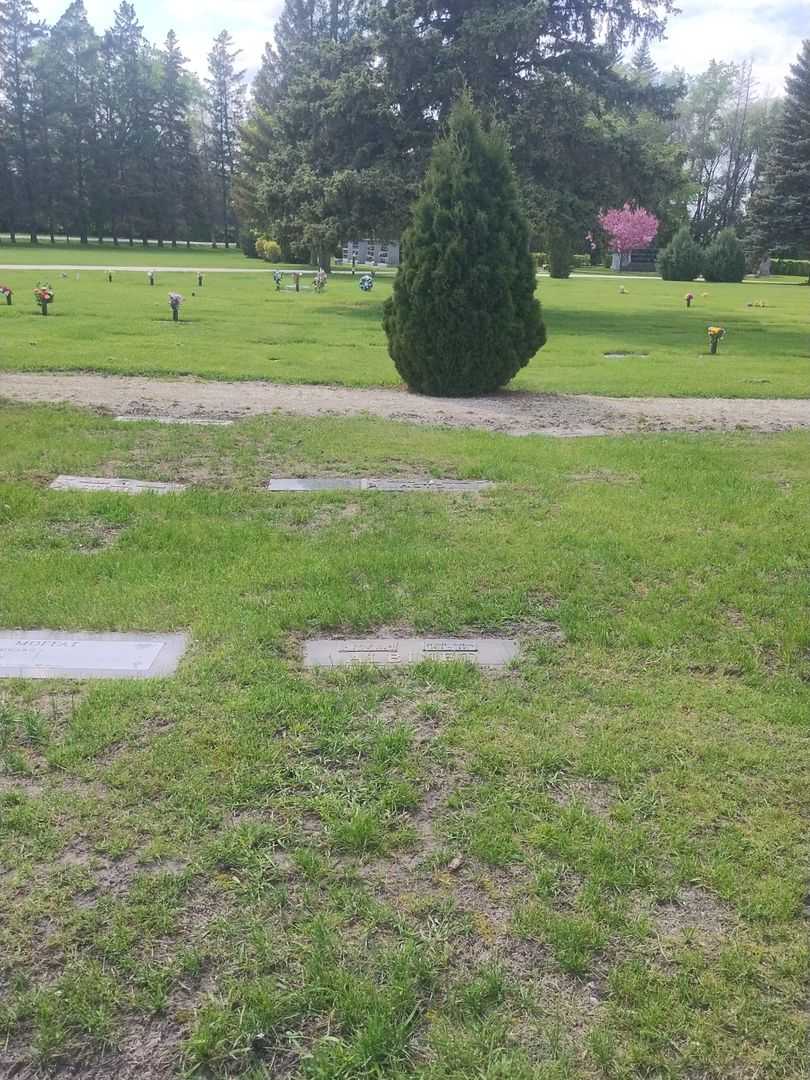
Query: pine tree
{"points": [[175, 150], [132, 94], [463, 318], [19, 34], [643, 65], [72, 59], [779, 214], [225, 114]]}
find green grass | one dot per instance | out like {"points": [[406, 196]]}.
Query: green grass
{"points": [[108, 255], [591, 867], [239, 327]]}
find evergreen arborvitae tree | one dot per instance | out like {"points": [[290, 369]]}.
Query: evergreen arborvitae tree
{"points": [[779, 214], [682, 259], [724, 258], [463, 318]]}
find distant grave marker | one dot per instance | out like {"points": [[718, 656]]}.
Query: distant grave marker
{"points": [[114, 483], [56, 654], [375, 484], [127, 419], [481, 651]]}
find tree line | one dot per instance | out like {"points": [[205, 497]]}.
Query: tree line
{"points": [[110, 136]]}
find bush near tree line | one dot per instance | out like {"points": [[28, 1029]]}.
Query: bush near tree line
{"points": [[724, 258], [268, 249], [791, 267], [541, 259], [683, 259], [463, 317]]}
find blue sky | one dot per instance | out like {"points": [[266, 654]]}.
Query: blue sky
{"points": [[770, 33]]}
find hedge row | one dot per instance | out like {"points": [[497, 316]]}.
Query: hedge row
{"points": [[791, 267]]}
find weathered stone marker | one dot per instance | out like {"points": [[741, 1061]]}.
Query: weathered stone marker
{"points": [[173, 420], [483, 652], [56, 654], [375, 484], [104, 483]]}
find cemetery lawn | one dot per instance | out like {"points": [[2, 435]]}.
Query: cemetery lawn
{"points": [[238, 327], [593, 865], [108, 255]]}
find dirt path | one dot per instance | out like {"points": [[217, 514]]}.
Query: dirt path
{"points": [[511, 412]]}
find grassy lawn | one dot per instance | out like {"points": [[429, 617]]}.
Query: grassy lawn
{"points": [[591, 866], [238, 326], [124, 255]]}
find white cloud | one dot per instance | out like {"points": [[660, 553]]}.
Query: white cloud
{"points": [[768, 34]]}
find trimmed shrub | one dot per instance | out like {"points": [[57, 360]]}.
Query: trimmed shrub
{"points": [[791, 267], [247, 242], [581, 261], [559, 265], [463, 317], [724, 258], [268, 250], [681, 259]]}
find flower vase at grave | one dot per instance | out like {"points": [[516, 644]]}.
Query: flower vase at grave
{"points": [[44, 305], [109, 276], [175, 314], [199, 280], [8, 299], [151, 278], [297, 280], [713, 345]]}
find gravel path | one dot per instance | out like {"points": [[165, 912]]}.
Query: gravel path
{"points": [[511, 412]]}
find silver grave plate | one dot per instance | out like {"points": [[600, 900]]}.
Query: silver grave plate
{"points": [[375, 484], [483, 652], [114, 483], [57, 654]]}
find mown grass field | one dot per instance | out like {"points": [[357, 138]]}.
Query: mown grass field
{"points": [[108, 254], [237, 326], [593, 865]]}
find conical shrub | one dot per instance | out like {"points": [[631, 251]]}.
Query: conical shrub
{"points": [[724, 258], [463, 318], [682, 259]]}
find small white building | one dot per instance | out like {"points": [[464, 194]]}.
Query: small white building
{"points": [[372, 252]]}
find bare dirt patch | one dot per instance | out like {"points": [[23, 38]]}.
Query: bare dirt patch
{"points": [[86, 537], [512, 412], [597, 796], [693, 911]]}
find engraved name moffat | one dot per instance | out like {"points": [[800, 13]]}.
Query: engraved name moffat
{"points": [[87, 655]]}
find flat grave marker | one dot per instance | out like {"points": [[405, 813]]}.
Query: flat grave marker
{"points": [[114, 483], [367, 483], [131, 419], [481, 651], [58, 654]]}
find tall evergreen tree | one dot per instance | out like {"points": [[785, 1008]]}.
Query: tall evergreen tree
{"points": [[19, 34], [132, 141], [779, 218], [226, 92], [463, 318], [175, 162], [72, 63], [643, 65]]}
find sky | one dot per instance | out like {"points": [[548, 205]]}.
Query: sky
{"points": [[768, 31]]}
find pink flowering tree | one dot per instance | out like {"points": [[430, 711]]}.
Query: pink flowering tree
{"points": [[628, 230]]}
